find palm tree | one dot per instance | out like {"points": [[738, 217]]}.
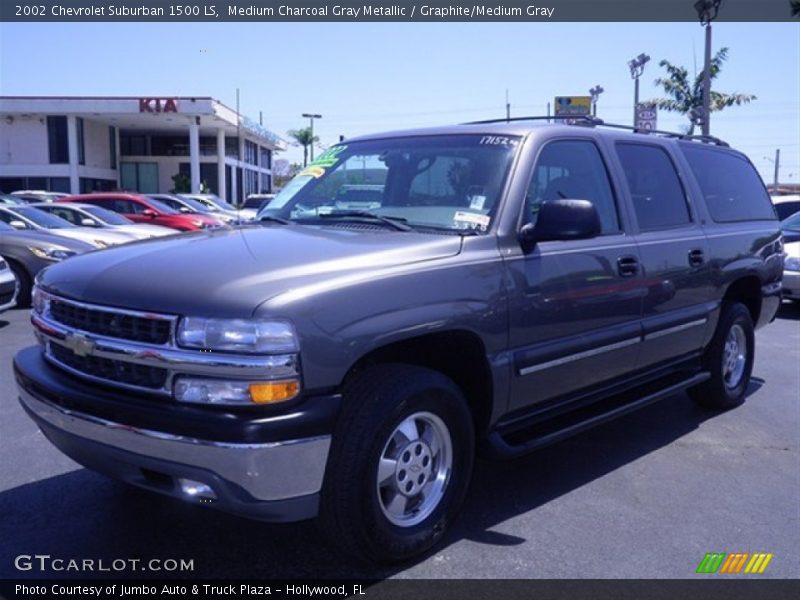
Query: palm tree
{"points": [[685, 97], [305, 138]]}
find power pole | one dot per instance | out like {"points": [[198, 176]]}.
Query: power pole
{"points": [[508, 107], [777, 166], [311, 117], [707, 10], [636, 66]]}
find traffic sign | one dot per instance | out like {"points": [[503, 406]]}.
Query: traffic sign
{"points": [[646, 117]]}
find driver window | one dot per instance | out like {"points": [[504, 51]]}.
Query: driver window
{"points": [[572, 169]]}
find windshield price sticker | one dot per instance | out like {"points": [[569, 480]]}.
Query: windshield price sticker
{"points": [[467, 220], [499, 140]]}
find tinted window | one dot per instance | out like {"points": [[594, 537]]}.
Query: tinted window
{"points": [[787, 209], [731, 187], [42, 219], [656, 191], [65, 213], [107, 216], [572, 169], [57, 139]]}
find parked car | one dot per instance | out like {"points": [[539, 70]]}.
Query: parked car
{"points": [[28, 252], [519, 283], [254, 203], [31, 196], [786, 205], [89, 215], [28, 217], [141, 209], [219, 208], [791, 272], [11, 200], [790, 227], [8, 285], [187, 206]]}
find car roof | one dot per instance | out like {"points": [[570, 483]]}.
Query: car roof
{"points": [[108, 195], [785, 198]]}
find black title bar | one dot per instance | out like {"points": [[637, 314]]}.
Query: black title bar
{"points": [[388, 10]]}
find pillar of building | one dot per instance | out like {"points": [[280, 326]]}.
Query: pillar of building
{"points": [[221, 184], [194, 155], [117, 158], [72, 145]]}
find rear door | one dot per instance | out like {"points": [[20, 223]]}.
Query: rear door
{"points": [[574, 306], [674, 254]]}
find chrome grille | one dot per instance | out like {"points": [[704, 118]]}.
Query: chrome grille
{"points": [[115, 371], [110, 323]]}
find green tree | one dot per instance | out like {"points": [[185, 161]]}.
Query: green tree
{"points": [[305, 138], [684, 95], [181, 184]]}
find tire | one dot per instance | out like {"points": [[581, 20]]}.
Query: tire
{"points": [[373, 454], [729, 359], [25, 284]]}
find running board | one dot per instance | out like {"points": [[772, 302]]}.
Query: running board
{"points": [[510, 444]]}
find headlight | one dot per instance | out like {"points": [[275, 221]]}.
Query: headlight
{"points": [[221, 391], [54, 254], [249, 336], [40, 300], [792, 263]]}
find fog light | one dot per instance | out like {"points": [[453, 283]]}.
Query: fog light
{"points": [[273, 391], [196, 489]]}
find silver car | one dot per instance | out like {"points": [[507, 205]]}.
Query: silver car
{"points": [[8, 286], [28, 252], [33, 219], [89, 215]]}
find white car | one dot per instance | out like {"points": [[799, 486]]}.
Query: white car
{"points": [[27, 217], [786, 205], [89, 215], [8, 286], [791, 271], [219, 209]]}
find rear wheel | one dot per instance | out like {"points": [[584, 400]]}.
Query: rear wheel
{"points": [[729, 359], [400, 463], [24, 284]]}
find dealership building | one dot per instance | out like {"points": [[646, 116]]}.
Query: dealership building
{"points": [[84, 144]]}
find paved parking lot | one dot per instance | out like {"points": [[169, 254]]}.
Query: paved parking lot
{"points": [[646, 496]]}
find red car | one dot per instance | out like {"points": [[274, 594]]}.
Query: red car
{"points": [[143, 209]]}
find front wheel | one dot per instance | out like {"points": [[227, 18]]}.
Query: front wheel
{"points": [[729, 359], [400, 463]]}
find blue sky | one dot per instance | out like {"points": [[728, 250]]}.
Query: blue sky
{"points": [[365, 77]]}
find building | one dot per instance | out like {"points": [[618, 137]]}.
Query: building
{"points": [[83, 144]]}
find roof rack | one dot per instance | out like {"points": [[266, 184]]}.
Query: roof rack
{"points": [[590, 121]]}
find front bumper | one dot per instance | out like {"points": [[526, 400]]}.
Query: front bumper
{"points": [[276, 480], [791, 285]]}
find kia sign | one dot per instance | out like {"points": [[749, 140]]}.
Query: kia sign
{"points": [[646, 117], [157, 105]]}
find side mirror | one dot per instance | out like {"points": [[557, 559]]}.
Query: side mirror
{"points": [[86, 222], [149, 212], [18, 224], [562, 219], [184, 209]]}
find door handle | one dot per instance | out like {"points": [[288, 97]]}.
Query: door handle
{"points": [[696, 257], [627, 266]]}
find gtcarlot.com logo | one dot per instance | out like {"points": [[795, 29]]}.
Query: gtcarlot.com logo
{"points": [[735, 562], [46, 562]]}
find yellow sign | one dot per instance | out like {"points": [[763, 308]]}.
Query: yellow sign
{"points": [[573, 105]]}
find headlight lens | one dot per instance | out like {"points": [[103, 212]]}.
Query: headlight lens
{"points": [[40, 300], [220, 391], [792, 263], [250, 336], [54, 254]]}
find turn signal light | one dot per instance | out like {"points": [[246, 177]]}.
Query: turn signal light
{"points": [[273, 391]]}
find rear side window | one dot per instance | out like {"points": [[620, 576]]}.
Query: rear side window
{"points": [[732, 189], [656, 191]]}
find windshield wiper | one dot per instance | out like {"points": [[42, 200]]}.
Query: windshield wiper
{"points": [[394, 222]]}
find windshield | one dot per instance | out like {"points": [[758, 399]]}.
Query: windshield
{"points": [[792, 223], [107, 216], [41, 218], [450, 183], [192, 205], [161, 207]]}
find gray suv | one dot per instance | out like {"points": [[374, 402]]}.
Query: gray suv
{"points": [[408, 300]]}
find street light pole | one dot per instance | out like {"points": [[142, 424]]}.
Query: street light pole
{"points": [[311, 117], [636, 66], [707, 10], [595, 94]]}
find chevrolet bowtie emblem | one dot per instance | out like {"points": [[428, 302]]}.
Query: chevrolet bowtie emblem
{"points": [[79, 344]]}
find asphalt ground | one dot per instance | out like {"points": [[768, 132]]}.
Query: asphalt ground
{"points": [[643, 497]]}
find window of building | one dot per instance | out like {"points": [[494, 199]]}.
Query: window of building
{"points": [[731, 187], [81, 141], [57, 140], [139, 177], [232, 147], [656, 192], [266, 184], [90, 184], [250, 153], [266, 158], [133, 145], [573, 169], [112, 146]]}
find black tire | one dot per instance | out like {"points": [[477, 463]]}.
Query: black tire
{"points": [[25, 284], [724, 391], [353, 503]]}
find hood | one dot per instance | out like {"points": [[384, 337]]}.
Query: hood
{"points": [[42, 239], [92, 235], [230, 272], [143, 231]]}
